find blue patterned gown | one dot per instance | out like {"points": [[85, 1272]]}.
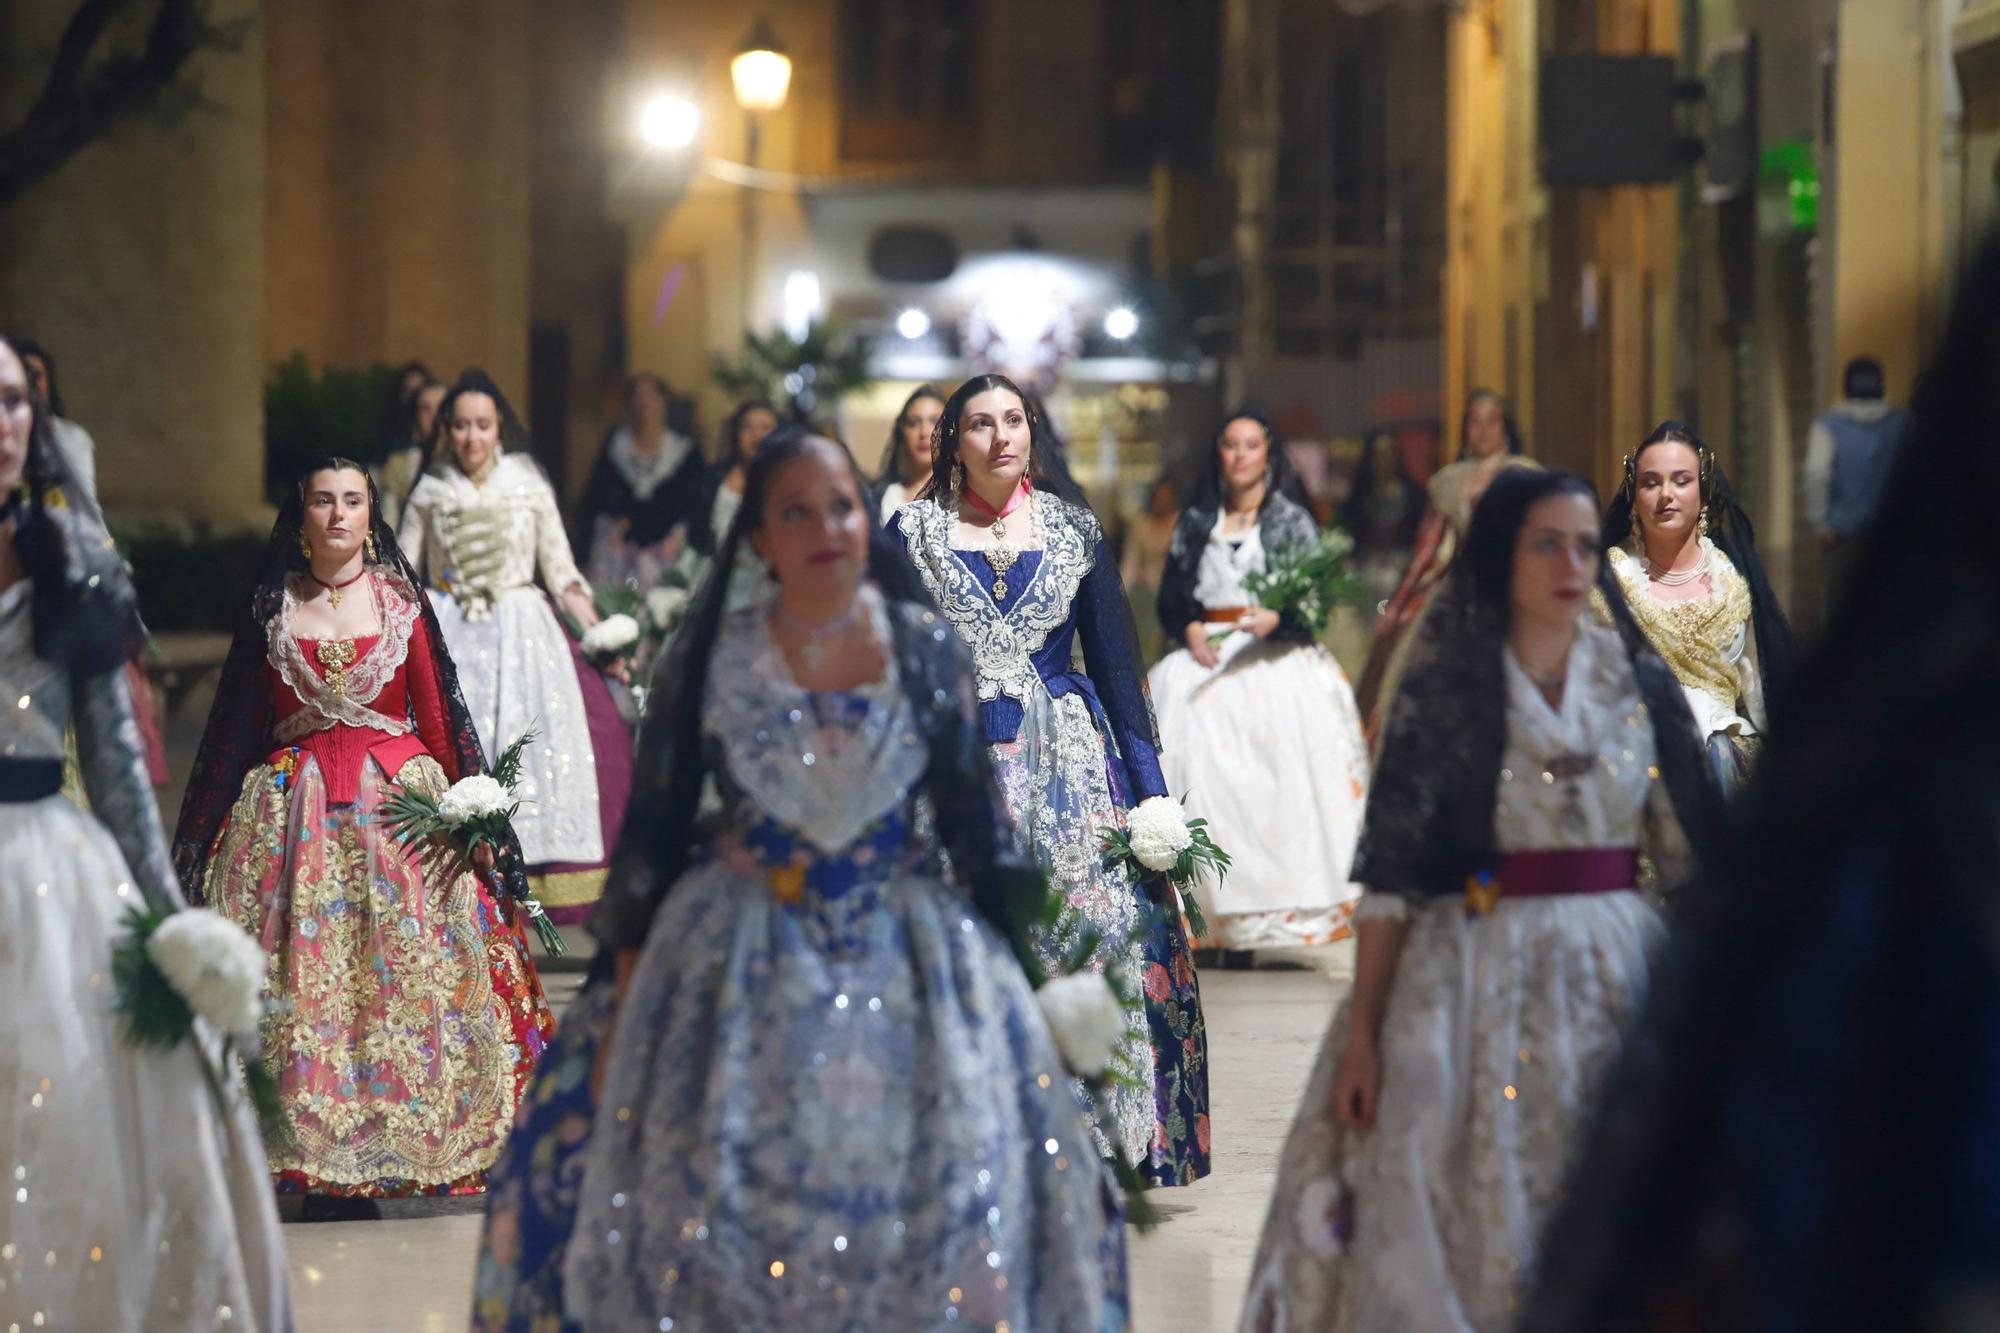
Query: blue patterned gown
{"points": [[836, 1103], [1074, 750]]}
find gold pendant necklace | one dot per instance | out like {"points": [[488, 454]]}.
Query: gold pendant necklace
{"points": [[1001, 555], [333, 590]]}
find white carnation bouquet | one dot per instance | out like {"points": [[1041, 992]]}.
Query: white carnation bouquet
{"points": [[1086, 1015], [654, 615], [476, 811], [1159, 839], [611, 639], [173, 967], [1308, 581]]}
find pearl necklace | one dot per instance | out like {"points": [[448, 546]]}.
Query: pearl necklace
{"points": [[1678, 578]]}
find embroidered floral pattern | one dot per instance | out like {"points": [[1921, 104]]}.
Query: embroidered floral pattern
{"points": [[1003, 643], [405, 1016]]}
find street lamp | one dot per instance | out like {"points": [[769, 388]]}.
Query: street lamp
{"points": [[761, 74], [761, 71], [669, 122], [1121, 323]]}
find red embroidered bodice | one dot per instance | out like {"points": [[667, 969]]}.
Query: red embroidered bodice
{"points": [[376, 696]]}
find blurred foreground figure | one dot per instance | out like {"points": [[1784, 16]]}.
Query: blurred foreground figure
{"points": [[136, 1195], [1804, 1129], [831, 1100]]}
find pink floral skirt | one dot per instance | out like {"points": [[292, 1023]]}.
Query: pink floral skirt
{"points": [[406, 1015]]}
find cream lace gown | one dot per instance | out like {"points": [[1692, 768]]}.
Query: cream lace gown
{"points": [[1495, 1030], [133, 1202], [480, 547]]}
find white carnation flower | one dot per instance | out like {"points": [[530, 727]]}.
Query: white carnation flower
{"points": [[214, 966], [470, 798], [1087, 1019], [664, 604], [611, 636], [1158, 832]]}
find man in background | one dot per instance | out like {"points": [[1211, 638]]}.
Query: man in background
{"points": [[1848, 458]]}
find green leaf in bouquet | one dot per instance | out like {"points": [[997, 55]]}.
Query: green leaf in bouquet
{"points": [[155, 1014], [507, 769], [411, 815]]}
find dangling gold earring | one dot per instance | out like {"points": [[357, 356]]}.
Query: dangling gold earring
{"points": [[1701, 523], [305, 547], [957, 480], [368, 550]]}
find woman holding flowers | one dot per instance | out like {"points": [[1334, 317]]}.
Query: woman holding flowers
{"points": [[837, 1102], [406, 1014], [1259, 727], [135, 1196], [479, 526], [1015, 560], [1533, 756]]}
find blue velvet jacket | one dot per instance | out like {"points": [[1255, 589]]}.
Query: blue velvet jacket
{"points": [[1067, 592]]}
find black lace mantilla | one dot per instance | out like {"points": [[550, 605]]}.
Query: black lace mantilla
{"points": [[1282, 523], [1429, 823]]}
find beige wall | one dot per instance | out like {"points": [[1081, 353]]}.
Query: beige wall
{"points": [[397, 209], [1562, 300], [139, 263], [1889, 207]]}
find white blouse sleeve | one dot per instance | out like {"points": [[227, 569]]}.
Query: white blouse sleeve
{"points": [[1750, 679], [413, 529], [558, 562]]}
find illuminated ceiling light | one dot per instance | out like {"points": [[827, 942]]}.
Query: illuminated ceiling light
{"points": [[761, 71], [1121, 323], [913, 324], [801, 302], [669, 122]]}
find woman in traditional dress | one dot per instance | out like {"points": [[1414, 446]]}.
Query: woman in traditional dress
{"points": [[1021, 571], [1534, 756], [416, 424], [479, 526], [136, 1197], [838, 1104], [1257, 723], [741, 435], [908, 469], [647, 497], [1686, 556], [1802, 1132], [1142, 563], [407, 1014], [1487, 439]]}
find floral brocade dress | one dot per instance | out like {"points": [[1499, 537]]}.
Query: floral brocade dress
{"points": [[837, 1105], [407, 1014], [1074, 751]]}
